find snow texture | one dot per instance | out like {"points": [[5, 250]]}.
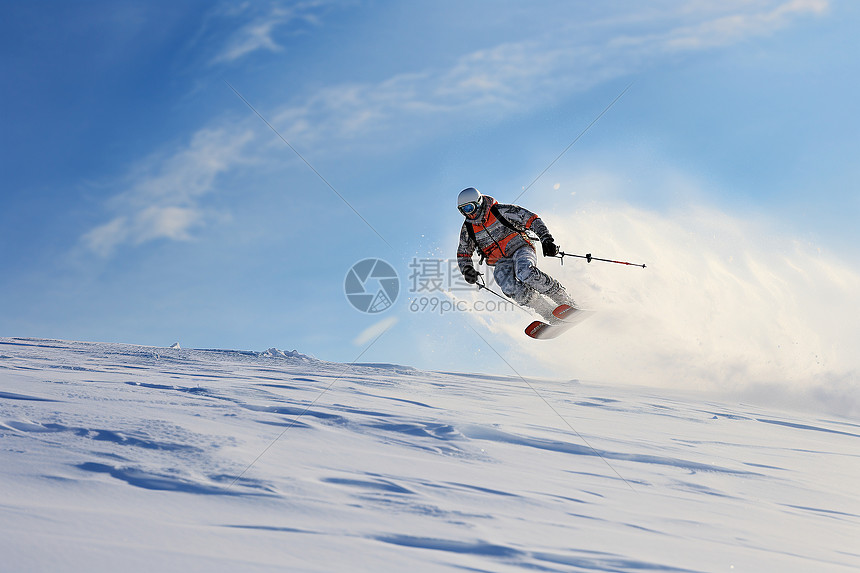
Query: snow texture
{"points": [[126, 458]]}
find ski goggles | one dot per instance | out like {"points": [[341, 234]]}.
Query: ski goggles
{"points": [[469, 208]]}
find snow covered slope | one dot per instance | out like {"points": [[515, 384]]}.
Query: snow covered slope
{"points": [[127, 458]]}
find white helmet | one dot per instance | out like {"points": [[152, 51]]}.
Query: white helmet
{"points": [[469, 201]]}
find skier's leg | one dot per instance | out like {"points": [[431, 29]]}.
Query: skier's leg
{"points": [[505, 276], [524, 295], [559, 296], [527, 272], [540, 305]]}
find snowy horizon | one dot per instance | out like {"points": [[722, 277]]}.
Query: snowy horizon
{"points": [[138, 458]]}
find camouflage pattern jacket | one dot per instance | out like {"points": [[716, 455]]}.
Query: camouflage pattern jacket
{"points": [[492, 238]]}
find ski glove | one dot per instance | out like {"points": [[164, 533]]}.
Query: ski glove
{"points": [[550, 249], [471, 275]]}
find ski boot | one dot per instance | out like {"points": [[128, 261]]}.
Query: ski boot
{"points": [[542, 306], [559, 296]]}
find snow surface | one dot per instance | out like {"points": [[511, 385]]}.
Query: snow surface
{"points": [[127, 458]]}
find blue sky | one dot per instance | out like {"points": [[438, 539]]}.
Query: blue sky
{"points": [[144, 202]]}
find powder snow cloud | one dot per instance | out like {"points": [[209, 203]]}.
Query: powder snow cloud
{"points": [[727, 302]]}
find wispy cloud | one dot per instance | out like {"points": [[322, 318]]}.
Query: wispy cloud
{"points": [[161, 198], [374, 330], [514, 77], [260, 29], [758, 19]]}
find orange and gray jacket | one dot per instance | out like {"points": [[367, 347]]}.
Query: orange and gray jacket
{"points": [[498, 231]]}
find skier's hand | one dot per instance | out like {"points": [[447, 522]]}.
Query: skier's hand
{"points": [[550, 249], [471, 275]]}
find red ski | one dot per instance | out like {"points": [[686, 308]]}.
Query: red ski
{"points": [[568, 317]]}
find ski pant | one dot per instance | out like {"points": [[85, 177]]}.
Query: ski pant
{"points": [[519, 277]]}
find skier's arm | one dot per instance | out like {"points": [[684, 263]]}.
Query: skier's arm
{"points": [[464, 252], [526, 220], [530, 221]]}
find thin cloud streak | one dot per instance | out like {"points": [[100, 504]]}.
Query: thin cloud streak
{"points": [[258, 34], [515, 77], [162, 197], [730, 28]]}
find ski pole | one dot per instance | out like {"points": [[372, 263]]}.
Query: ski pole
{"points": [[589, 258], [483, 286]]}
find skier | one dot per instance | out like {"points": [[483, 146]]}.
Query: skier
{"points": [[498, 233]]}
